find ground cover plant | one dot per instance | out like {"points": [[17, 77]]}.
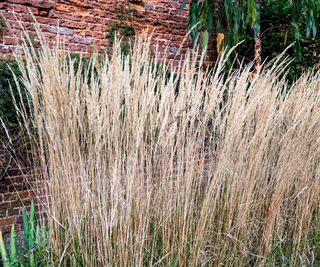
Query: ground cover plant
{"points": [[193, 168]]}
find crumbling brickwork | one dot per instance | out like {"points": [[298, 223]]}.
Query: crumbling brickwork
{"points": [[16, 194], [88, 25]]}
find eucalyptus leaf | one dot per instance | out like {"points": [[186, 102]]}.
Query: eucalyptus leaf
{"points": [[204, 41], [183, 5], [235, 17]]}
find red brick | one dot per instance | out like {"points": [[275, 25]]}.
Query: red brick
{"points": [[14, 212], [36, 3], [98, 12], [6, 221], [99, 42], [74, 24], [23, 9], [99, 35], [43, 13], [97, 27], [3, 6], [64, 7], [15, 179], [46, 20], [26, 195], [16, 171]]}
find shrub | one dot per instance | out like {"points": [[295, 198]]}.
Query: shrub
{"points": [[7, 110]]}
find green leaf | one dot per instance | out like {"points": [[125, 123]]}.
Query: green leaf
{"points": [[38, 235], [256, 25], [251, 13], [32, 233], [183, 5], [209, 20], [31, 261], [192, 21], [40, 243], [13, 248], [205, 41], [297, 34], [3, 252], [308, 22], [25, 228]]}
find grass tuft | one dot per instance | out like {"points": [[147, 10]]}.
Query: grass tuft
{"points": [[147, 166]]}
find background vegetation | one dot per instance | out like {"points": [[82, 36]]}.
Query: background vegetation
{"points": [[267, 26], [7, 109]]}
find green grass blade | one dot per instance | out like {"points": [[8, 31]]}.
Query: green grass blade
{"points": [[3, 252], [32, 234], [13, 248], [25, 228], [38, 243]]}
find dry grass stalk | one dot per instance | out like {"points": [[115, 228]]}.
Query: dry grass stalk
{"points": [[192, 168]]}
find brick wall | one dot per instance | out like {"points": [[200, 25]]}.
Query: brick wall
{"points": [[16, 194], [86, 25]]}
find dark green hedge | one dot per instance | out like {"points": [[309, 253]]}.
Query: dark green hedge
{"points": [[7, 109]]}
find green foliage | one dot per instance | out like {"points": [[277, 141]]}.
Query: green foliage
{"points": [[287, 22], [314, 243], [3, 24], [122, 27], [279, 253], [8, 90], [123, 11], [125, 32], [233, 18], [34, 250], [277, 34]]}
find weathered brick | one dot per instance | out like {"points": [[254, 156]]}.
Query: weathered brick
{"points": [[81, 40], [43, 13], [99, 42], [14, 171], [6, 221], [36, 3], [23, 9], [9, 180], [99, 12], [3, 6], [97, 27], [14, 212], [73, 24], [27, 195], [18, 187], [99, 35], [47, 21], [61, 30]]}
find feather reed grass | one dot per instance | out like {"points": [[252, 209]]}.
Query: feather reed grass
{"points": [[145, 166]]}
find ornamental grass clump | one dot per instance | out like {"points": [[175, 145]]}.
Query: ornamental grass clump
{"points": [[147, 165]]}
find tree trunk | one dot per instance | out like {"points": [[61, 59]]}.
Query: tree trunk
{"points": [[257, 53], [257, 47]]}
